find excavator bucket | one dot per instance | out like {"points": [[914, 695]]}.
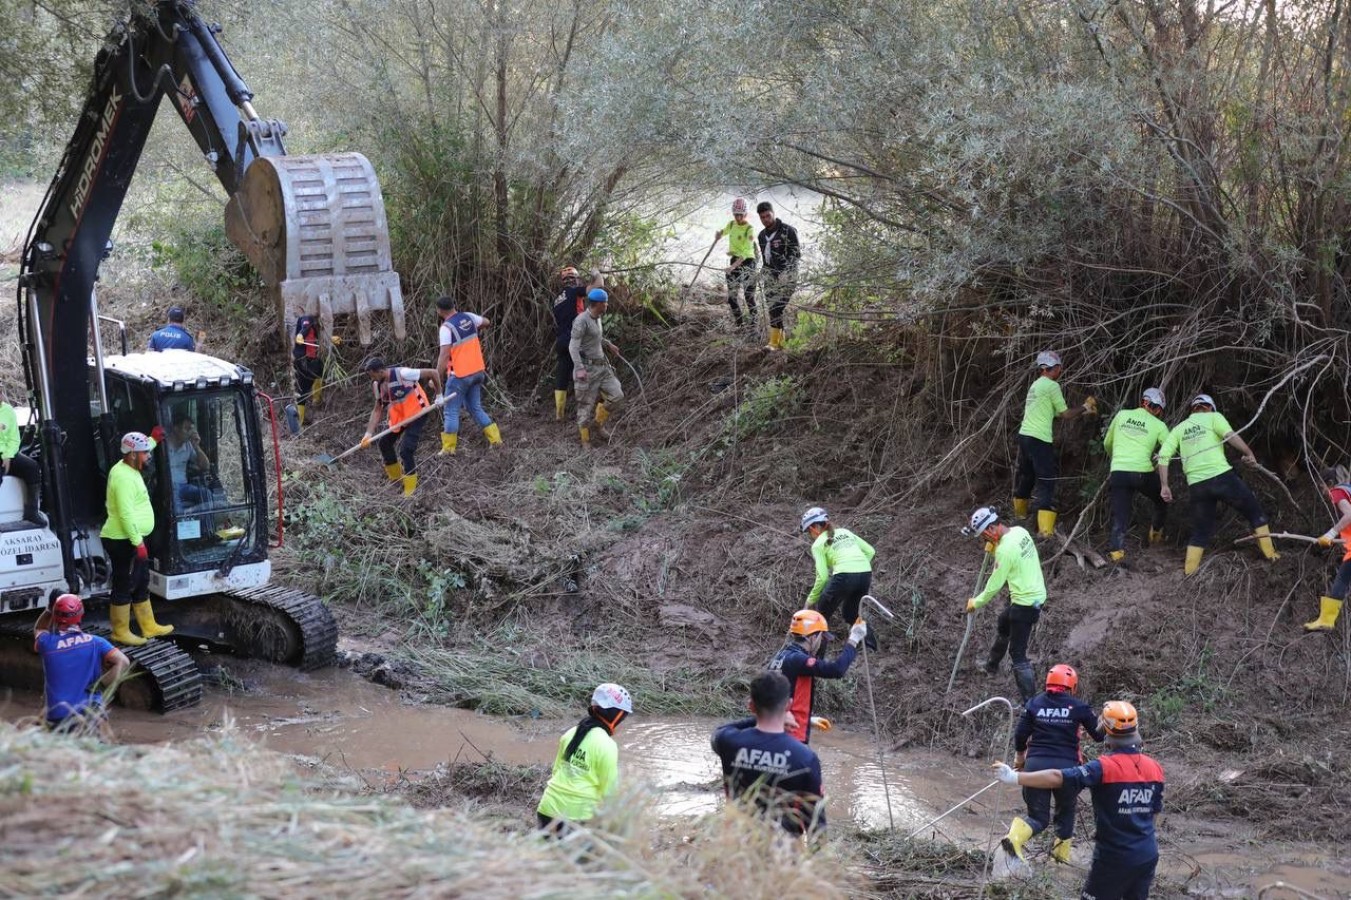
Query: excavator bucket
{"points": [[314, 227]]}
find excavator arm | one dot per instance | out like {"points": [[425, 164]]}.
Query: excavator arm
{"points": [[313, 226]]}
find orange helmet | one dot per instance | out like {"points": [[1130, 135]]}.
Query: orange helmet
{"points": [[1062, 678], [807, 622], [1119, 718]]}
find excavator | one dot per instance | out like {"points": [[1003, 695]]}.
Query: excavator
{"points": [[314, 227]]}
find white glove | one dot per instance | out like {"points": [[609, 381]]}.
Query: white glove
{"points": [[1005, 774], [858, 632]]}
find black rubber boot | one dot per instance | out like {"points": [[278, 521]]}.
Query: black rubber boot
{"points": [[31, 513], [1027, 685]]}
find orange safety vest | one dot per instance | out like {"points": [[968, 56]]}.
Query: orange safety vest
{"points": [[466, 353], [1342, 492], [403, 398]]}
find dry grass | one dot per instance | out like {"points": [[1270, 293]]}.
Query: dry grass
{"points": [[218, 817]]}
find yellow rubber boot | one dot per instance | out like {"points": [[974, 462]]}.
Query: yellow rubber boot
{"points": [[1045, 522], [775, 339], [1193, 561], [1117, 555], [1060, 850], [1328, 610], [1155, 536], [560, 404], [602, 414], [585, 434], [1019, 834], [448, 443], [317, 391], [1264, 542], [145, 617], [300, 414], [120, 616], [409, 484], [394, 470], [1020, 507], [493, 434]]}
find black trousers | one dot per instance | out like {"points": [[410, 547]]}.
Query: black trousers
{"points": [[563, 366], [1229, 489], [28, 471], [1342, 583], [1038, 801], [1037, 472], [308, 369], [1013, 634], [741, 280], [407, 440], [1113, 882], [130, 576], [843, 592], [779, 287], [1123, 487]]}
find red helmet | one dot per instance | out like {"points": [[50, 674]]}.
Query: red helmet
{"points": [[67, 610], [1062, 678]]}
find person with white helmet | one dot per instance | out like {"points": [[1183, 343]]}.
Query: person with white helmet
{"points": [[1034, 483], [586, 769], [1200, 439], [844, 570], [1127, 790], [130, 521], [743, 259], [76, 667], [1130, 441], [1018, 565]]}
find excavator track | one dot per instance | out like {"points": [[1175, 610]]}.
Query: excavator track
{"points": [[311, 640]]}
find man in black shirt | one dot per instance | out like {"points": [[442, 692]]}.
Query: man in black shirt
{"points": [[567, 306], [777, 772], [780, 252]]}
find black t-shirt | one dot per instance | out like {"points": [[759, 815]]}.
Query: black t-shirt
{"points": [[567, 306], [777, 770]]}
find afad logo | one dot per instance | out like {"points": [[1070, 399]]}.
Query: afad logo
{"points": [[94, 159], [1136, 797]]}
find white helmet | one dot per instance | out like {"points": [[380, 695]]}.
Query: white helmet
{"points": [[1048, 359], [814, 516], [612, 696], [135, 442], [981, 519], [739, 206], [1206, 399], [1154, 396]]}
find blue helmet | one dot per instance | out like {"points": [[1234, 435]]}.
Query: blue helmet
{"points": [[597, 295]]}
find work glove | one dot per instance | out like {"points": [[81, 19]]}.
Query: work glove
{"points": [[1091, 405], [989, 546], [335, 340], [157, 434], [142, 553], [1325, 540], [821, 723], [1005, 774], [365, 440], [971, 605], [858, 632]]}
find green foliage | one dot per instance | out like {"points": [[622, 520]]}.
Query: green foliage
{"points": [[209, 266], [763, 406], [1197, 690]]}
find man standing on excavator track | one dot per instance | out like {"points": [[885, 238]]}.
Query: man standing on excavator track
{"points": [[130, 520]]}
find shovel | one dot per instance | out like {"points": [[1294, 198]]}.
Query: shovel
{"points": [[329, 460]]}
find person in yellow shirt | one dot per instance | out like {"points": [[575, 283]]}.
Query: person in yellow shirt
{"points": [[1131, 440], [1037, 466], [1200, 440], [743, 259], [586, 769], [844, 569], [1017, 564], [130, 521]]}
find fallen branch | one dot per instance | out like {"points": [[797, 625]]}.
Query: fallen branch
{"points": [[1276, 478], [1286, 535]]}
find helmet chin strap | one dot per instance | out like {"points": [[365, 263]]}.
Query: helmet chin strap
{"points": [[610, 724]]}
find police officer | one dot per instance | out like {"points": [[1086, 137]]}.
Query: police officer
{"points": [[1127, 790], [1048, 737], [1017, 564], [774, 770], [801, 661], [307, 364], [586, 769], [130, 520], [1131, 440], [76, 667], [461, 361], [398, 392], [172, 335], [568, 305]]}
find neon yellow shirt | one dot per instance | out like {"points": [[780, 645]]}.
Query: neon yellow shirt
{"points": [[130, 516], [1132, 438], [9, 431], [740, 239], [1017, 564], [577, 786], [846, 553], [1200, 438], [1044, 403]]}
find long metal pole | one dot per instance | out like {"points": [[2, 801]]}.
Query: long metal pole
{"points": [[877, 737], [1008, 740], [970, 623]]}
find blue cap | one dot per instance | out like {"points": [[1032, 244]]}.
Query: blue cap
{"points": [[597, 295]]}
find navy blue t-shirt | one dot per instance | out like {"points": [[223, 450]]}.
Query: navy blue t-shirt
{"points": [[567, 306], [778, 770], [71, 662], [1127, 789], [1049, 730], [172, 337]]}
